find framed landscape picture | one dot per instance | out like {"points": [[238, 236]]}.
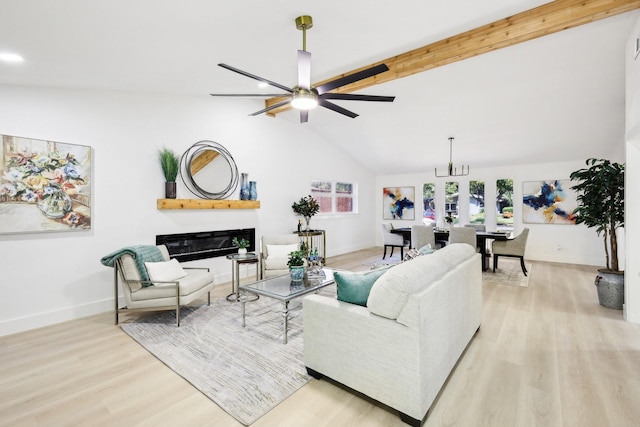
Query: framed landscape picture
{"points": [[398, 203], [44, 186], [548, 202]]}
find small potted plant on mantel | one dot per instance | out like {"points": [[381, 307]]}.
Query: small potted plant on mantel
{"points": [[241, 244], [296, 266], [169, 162], [307, 207], [600, 198]]}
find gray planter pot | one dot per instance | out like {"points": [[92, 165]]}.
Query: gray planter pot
{"points": [[610, 286]]}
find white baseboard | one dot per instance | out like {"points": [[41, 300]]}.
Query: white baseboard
{"points": [[39, 320]]}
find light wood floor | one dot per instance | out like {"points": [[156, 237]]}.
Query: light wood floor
{"points": [[546, 355]]}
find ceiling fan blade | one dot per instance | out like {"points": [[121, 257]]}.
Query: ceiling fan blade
{"points": [[252, 76], [265, 95], [355, 97], [337, 108], [304, 116], [304, 69], [274, 106], [352, 78]]}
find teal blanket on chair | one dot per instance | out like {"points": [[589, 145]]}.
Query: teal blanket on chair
{"points": [[140, 254]]}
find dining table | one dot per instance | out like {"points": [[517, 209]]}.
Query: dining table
{"points": [[443, 236]]}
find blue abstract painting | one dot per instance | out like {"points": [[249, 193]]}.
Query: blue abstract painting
{"points": [[398, 203], [548, 202]]}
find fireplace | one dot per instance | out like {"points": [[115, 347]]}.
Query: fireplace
{"points": [[205, 244]]}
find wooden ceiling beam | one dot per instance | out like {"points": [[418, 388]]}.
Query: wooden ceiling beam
{"points": [[543, 20]]}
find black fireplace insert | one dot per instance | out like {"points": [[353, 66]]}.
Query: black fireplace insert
{"points": [[205, 244]]}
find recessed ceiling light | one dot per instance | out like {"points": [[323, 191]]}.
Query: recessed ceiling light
{"points": [[263, 85], [11, 57]]}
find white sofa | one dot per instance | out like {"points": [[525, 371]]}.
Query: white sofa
{"points": [[400, 348]]}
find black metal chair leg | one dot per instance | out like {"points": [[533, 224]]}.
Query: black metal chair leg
{"points": [[524, 269]]}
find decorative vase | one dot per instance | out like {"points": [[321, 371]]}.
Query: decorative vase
{"points": [[610, 286], [55, 205], [253, 191], [170, 190], [244, 186], [307, 222], [242, 251], [297, 274]]}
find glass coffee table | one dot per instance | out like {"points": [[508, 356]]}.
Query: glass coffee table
{"points": [[280, 288]]}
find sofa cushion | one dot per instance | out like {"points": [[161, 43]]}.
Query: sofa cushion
{"points": [[391, 291], [353, 287], [275, 263], [165, 271], [281, 251]]}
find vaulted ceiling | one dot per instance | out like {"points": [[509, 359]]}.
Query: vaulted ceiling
{"points": [[558, 97]]}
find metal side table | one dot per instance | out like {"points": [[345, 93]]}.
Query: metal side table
{"points": [[236, 261]]}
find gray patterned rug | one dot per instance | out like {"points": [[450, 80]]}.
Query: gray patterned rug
{"points": [[246, 371], [509, 272]]}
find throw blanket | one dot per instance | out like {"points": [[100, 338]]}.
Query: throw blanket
{"points": [[140, 254]]}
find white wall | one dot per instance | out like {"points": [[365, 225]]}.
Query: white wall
{"points": [[575, 244], [48, 278], [632, 178]]}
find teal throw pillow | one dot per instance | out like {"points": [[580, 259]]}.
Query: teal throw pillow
{"points": [[426, 250], [353, 287]]}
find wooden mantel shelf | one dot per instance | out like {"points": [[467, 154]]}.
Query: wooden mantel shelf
{"points": [[207, 204]]}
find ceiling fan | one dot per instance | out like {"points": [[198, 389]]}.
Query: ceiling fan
{"points": [[305, 97]]}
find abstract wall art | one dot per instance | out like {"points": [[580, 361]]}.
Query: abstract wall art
{"points": [[548, 202], [44, 186], [398, 203]]}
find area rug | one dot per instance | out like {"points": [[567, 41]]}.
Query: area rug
{"points": [[508, 273], [246, 371]]}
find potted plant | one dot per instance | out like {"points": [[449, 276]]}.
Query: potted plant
{"points": [[296, 266], [169, 162], [600, 198], [241, 244], [307, 207]]}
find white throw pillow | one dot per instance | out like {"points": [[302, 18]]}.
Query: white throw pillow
{"points": [[281, 251], [165, 271]]}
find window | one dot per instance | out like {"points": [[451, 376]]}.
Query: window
{"points": [[504, 205], [476, 202], [451, 201], [335, 196], [428, 203]]}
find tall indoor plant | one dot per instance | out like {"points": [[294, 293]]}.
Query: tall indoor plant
{"points": [[600, 198], [169, 162], [307, 207]]}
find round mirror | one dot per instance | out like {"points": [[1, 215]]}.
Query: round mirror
{"points": [[209, 171]]}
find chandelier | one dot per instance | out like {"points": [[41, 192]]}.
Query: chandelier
{"points": [[451, 171]]}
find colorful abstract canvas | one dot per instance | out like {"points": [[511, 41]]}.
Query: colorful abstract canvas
{"points": [[398, 203], [44, 186], [548, 202]]}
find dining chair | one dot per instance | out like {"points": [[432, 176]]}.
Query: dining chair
{"points": [[392, 240], [463, 235], [512, 248], [422, 235], [477, 227]]}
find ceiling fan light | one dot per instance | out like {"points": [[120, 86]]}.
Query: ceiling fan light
{"points": [[304, 101]]}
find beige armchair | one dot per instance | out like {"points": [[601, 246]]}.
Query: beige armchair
{"points": [[274, 253], [392, 240], [422, 235], [512, 248], [163, 290]]}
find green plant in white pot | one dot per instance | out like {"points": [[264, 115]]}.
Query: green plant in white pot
{"points": [[169, 162], [242, 245], [600, 198], [296, 266]]}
